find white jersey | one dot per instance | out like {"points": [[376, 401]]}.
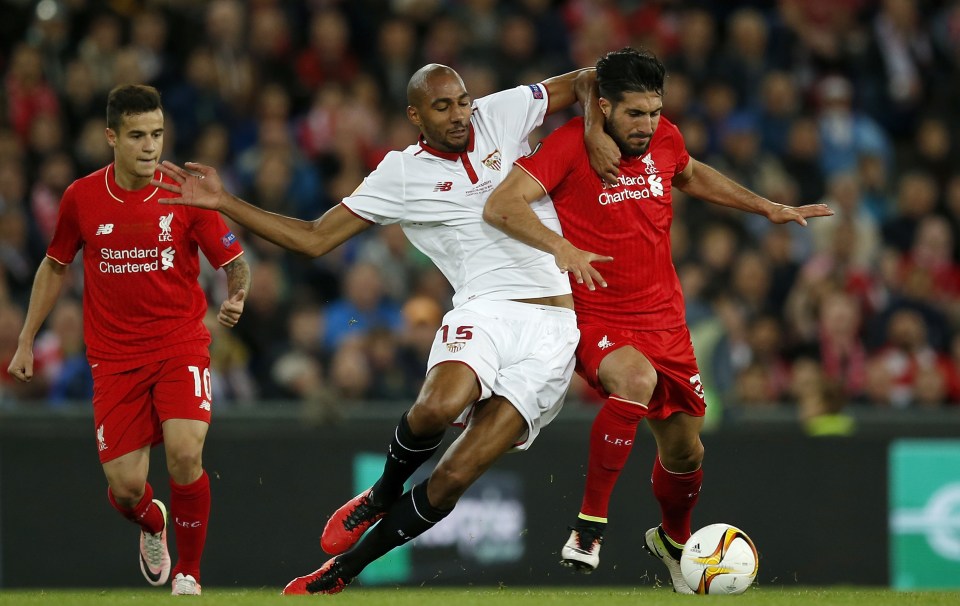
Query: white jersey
{"points": [[438, 199]]}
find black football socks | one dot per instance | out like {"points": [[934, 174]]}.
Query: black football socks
{"points": [[408, 518], [407, 452]]}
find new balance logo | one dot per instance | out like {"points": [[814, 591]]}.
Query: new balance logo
{"points": [[104, 229], [205, 405], [696, 547], [443, 186], [605, 343]]}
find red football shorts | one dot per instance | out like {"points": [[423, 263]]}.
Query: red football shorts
{"points": [[130, 407], [669, 351]]}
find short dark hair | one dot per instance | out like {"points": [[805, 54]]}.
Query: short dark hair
{"points": [[629, 71], [130, 100]]}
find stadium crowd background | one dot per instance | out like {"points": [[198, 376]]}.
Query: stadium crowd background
{"points": [[850, 102]]}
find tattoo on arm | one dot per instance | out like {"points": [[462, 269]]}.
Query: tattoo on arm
{"points": [[238, 276]]}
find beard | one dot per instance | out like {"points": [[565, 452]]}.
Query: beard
{"points": [[631, 146]]}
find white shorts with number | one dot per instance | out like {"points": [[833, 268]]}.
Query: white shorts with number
{"points": [[520, 351]]}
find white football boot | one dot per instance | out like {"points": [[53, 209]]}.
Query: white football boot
{"points": [[662, 548], [154, 556]]}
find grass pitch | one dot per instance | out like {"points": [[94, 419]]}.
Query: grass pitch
{"points": [[505, 596]]}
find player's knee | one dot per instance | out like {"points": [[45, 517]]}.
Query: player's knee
{"points": [[683, 457], [636, 386], [127, 492], [433, 414], [184, 465]]}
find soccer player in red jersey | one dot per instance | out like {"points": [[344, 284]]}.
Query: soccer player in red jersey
{"points": [[634, 348], [143, 326]]}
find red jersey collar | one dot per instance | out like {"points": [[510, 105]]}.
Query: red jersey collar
{"points": [[122, 195], [452, 156]]}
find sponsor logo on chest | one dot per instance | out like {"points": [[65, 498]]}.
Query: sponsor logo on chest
{"points": [[630, 187], [137, 259]]}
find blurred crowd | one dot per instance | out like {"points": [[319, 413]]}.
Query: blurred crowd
{"points": [[849, 102]]}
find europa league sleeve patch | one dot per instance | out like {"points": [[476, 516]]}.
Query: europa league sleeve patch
{"points": [[537, 91], [228, 240]]}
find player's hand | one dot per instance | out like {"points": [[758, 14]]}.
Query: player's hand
{"points": [[604, 155], [232, 309], [798, 214], [21, 366], [579, 263], [198, 185]]}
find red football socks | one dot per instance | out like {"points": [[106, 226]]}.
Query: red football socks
{"points": [[677, 494], [190, 514], [145, 514], [611, 440]]}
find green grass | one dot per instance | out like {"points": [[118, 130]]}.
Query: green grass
{"points": [[485, 596]]}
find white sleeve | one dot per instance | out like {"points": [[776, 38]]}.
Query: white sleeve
{"points": [[517, 110], [380, 198]]}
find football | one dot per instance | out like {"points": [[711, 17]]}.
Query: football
{"points": [[719, 559]]}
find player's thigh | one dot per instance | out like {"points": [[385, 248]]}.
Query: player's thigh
{"points": [[450, 387], [123, 414], [606, 357], [627, 372], [183, 390], [184, 437], [462, 367]]}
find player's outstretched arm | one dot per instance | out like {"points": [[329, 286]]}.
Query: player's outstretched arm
{"points": [[706, 183], [46, 289], [199, 185], [508, 209]]}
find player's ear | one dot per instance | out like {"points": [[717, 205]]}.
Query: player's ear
{"points": [[413, 116], [605, 106], [111, 137]]}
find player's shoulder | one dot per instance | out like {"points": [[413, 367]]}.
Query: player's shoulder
{"points": [[94, 179], [394, 168], [514, 99], [85, 186], [668, 127], [568, 134], [395, 162], [572, 127]]}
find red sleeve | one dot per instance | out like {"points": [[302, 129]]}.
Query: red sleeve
{"points": [[67, 238], [554, 158], [218, 243]]}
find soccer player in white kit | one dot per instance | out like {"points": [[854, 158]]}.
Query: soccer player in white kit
{"points": [[502, 361]]}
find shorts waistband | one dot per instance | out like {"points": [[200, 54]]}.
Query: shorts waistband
{"points": [[514, 309]]}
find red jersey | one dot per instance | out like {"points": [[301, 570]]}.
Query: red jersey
{"points": [[141, 299], [629, 222]]}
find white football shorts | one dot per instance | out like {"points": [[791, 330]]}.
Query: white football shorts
{"points": [[520, 351]]}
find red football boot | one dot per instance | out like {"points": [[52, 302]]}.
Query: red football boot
{"points": [[327, 579], [347, 524]]}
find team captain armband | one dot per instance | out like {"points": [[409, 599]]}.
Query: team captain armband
{"points": [[537, 91]]}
